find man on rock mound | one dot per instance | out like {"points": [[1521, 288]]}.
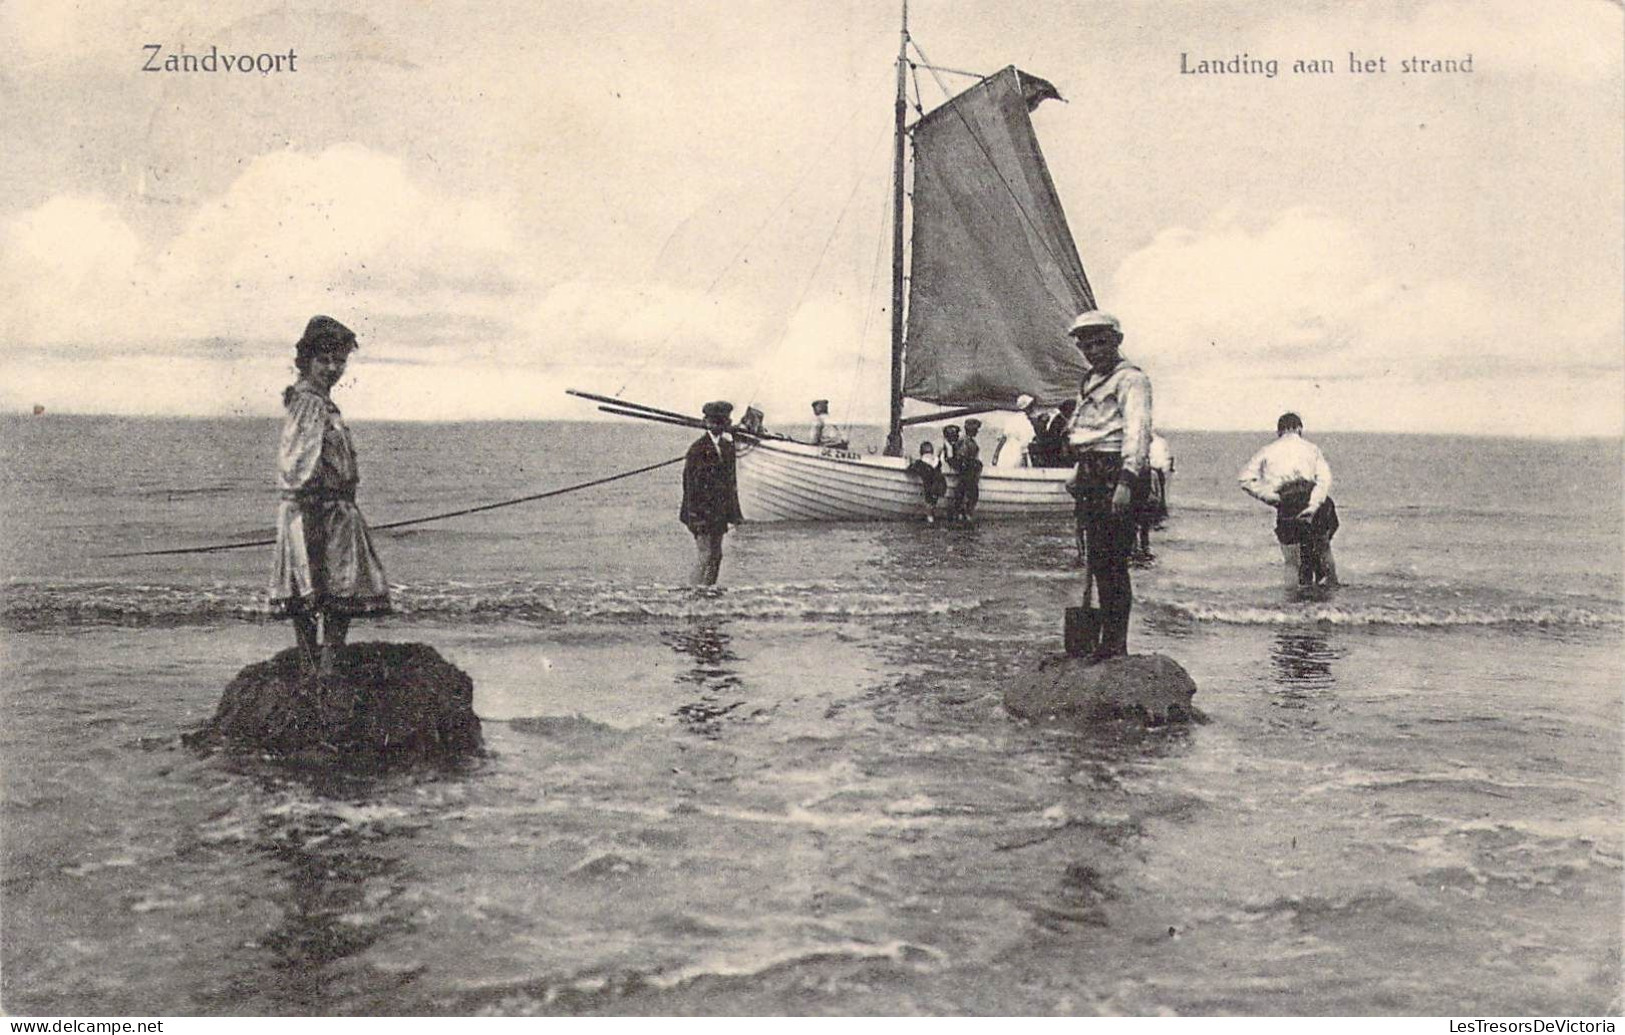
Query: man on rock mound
{"points": [[1111, 438]]}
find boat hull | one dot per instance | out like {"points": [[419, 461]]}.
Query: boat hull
{"points": [[791, 481]]}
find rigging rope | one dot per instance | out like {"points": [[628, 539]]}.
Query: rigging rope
{"points": [[812, 275], [661, 350], [940, 68], [919, 96], [869, 307], [219, 547]]}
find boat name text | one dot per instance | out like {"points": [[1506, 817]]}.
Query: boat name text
{"points": [[265, 62]]}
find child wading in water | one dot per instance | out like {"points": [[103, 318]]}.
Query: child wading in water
{"points": [[928, 468], [325, 566]]}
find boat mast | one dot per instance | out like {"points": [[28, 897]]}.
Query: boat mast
{"points": [[894, 436]]}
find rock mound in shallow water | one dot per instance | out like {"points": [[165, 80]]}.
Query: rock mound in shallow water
{"points": [[1151, 688], [383, 700]]}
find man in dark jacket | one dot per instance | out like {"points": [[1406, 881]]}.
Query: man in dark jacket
{"points": [[710, 492]]}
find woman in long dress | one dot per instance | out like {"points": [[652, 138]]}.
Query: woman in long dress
{"points": [[325, 567]]}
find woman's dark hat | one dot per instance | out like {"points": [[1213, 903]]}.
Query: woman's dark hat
{"points": [[325, 334]]}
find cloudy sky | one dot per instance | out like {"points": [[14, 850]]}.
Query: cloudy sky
{"points": [[688, 200]]}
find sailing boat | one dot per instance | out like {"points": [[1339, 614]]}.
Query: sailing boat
{"points": [[994, 283]]}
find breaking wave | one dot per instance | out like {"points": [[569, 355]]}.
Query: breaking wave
{"points": [[1421, 617], [39, 606]]}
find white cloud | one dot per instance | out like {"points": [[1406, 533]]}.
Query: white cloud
{"points": [[333, 214], [1305, 293], [584, 320], [66, 267], [1299, 283], [690, 208], [74, 238], [344, 230], [827, 350], [295, 228], [433, 280], [1242, 319]]}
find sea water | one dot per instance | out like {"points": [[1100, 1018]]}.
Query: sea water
{"points": [[799, 793]]}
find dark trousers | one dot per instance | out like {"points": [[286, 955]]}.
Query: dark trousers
{"points": [[932, 483], [1313, 538], [968, 489], [1108, 543], [707, 554]]}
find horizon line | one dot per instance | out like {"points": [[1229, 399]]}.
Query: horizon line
{"points": [[879, 426]]}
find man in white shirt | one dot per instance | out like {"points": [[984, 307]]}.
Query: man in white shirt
{"points": [[1111, 437], [1291, 475], [1161, 455], [826, 432], [1016, 433], [1152, 509]]}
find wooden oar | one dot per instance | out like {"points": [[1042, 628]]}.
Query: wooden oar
{"points": [[611, 400], [677, 419], [687, 422]]}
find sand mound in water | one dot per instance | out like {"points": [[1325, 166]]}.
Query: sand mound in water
{"points": [[1150, 688], [383, 700]]}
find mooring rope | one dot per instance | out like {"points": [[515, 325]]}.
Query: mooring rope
{"points": [[218, 547]]}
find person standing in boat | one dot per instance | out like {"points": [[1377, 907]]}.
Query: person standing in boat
{"points": [[1017, 432], [1291, 475], [1111, 437], [824, 431], [325, 568], [710, 492]]}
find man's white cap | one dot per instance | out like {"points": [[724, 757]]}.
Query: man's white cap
{"points": [[1093, 320], [1023, 401]]}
